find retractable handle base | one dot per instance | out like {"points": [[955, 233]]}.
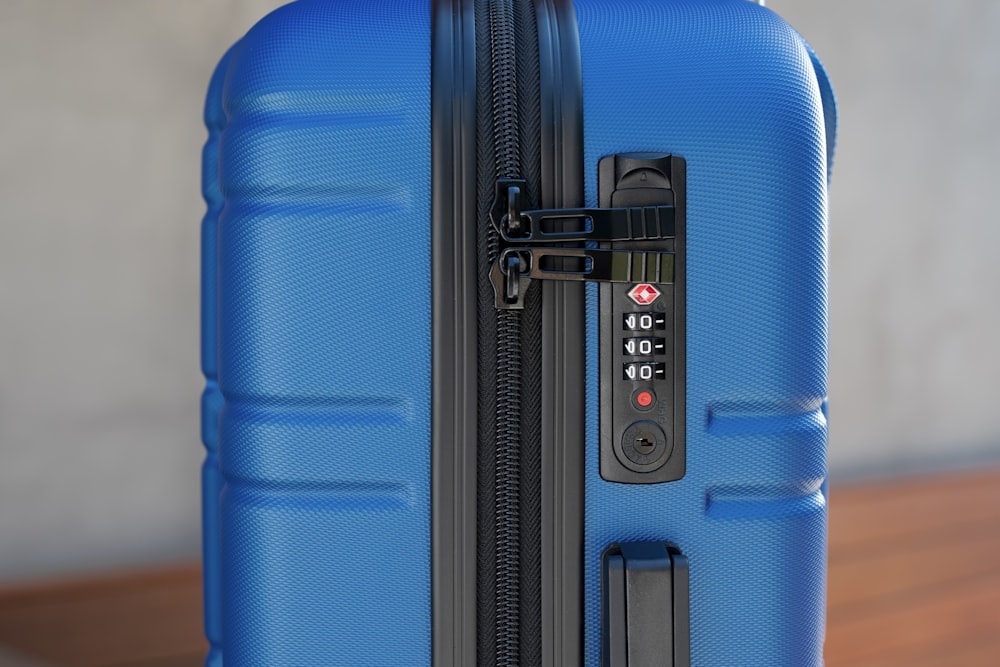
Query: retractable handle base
{"points": [[645, 619]]}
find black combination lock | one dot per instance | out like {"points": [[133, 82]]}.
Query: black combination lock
{"points": [[643, 323]]}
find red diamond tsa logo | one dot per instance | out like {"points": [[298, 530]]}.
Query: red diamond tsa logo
{"points": [[644, 294]]}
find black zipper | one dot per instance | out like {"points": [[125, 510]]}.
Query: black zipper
{"points": [[508, 396], [502, 385]]}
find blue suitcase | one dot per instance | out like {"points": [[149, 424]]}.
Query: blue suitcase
{"points": [[515, 332]]}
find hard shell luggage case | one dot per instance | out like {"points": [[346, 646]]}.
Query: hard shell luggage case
{"points": [[515, 336]]}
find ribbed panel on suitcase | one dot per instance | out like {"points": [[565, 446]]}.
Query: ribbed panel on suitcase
{"points": [[324, 332]]}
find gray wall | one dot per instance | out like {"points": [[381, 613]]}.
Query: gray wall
{"points": [[99, 212], [915, 310], [99, 200]]}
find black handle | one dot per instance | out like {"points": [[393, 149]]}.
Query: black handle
{"points": [[645, 615]]}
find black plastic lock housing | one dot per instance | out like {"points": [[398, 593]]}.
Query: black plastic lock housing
{"points": [[647, 307]]}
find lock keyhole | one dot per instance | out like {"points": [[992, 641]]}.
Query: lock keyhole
{"points": [[644, 446]]}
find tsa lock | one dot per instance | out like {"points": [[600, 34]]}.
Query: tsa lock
{"points": [[642, 328]]}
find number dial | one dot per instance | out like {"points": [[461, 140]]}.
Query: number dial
{"points": [[643, 347], [645, 372], [644, 321]]}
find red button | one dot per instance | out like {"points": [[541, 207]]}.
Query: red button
{"points": [[644, 399]]}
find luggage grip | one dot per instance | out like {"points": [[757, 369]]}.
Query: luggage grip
{"points": [[645, 617]]}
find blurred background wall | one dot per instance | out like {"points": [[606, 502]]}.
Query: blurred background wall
{"points": [[100, 140], [915, 308]]}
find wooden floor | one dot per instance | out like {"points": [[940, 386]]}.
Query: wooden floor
{"points": [[915, 573], [914, 582]]}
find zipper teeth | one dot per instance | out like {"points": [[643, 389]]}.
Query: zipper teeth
{"points": [[508, 482], [504, 87], [508, 415]]}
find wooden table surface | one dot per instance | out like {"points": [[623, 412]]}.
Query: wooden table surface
{"points": [[914, 582]]}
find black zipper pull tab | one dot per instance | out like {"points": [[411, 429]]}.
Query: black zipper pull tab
{"points": [[506, 213], [514, 225], [598, 265], [509, 275], [517, 267], [507, 272], [645, 223], [538, 244]]}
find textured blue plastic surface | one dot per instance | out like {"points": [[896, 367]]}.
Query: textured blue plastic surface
{"points": [[317, 179], [730, 87], [324, 325], [211, 400]]}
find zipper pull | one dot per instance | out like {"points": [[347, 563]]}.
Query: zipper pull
{"points": [[514, 266], [509, 275], [597, 265], [633, 223], [533, 244], [517, 266]]}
